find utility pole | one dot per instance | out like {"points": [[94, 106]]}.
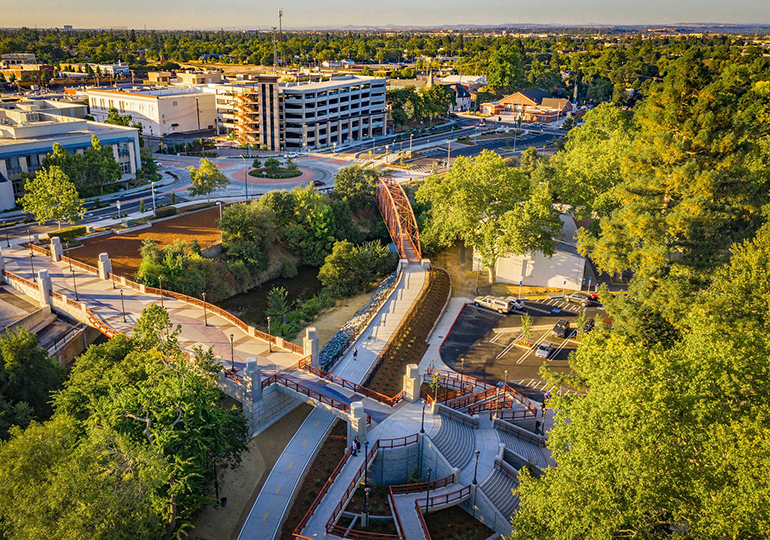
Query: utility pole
{"points": [[280, 24], [275, 51]]}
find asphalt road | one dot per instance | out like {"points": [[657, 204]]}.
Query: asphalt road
{"points": [[481, 342]]}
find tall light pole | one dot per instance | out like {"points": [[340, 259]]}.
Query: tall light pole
{"points": [[152, 187], [427, 495], [75, 285], [476, 467], [67, 245], [366, 463], [232, 354], [245, 179], [29, 237], [448, 152], [122, 305], [422, 423], [410, 145], [8, 240], [32, 262], [205, 316]]}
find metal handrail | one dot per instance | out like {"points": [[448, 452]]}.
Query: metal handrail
{"points": [[391, 401], [402, 489]]}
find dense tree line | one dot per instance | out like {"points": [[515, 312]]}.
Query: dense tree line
{"points": [[130, 449], [670, 437], [603, 66]]}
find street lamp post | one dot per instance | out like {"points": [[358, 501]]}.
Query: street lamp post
{"points": [[160, 286], [219, 204], [29, 236], [476, 467], [122, 305], [32, 262], [335, 147], [269, 342], [67, 245], [152, 187], [118, 205], [245, 179], [8, 240], [75, 285], [366, 463], [427, 495], [205, 316], [422, 423], [232, 354], [366, 508], [462, 366]]}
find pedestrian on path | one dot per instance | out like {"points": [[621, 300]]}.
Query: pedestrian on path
{"points": [[353, 448], [355, 354], [357, 442]]}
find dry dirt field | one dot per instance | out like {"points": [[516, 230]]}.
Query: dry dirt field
{"points": [[124, 248]]}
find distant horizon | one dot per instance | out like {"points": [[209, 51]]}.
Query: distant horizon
{"points": [[302, 15]]}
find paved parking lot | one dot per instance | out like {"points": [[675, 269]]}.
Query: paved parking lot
{"points": [[482, 342]]}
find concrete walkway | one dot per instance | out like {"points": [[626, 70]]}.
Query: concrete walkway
{"points": [[105, 302], [263, 522]]}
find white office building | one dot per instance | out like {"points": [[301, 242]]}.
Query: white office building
{"points": [[161, 111], [28, 130]]}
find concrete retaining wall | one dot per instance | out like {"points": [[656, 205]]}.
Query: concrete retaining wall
{"points": [[271, 408], [480, 507], [434, 459], [395, 465], [28, 322]]}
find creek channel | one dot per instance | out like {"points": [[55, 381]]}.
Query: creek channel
{"points": [[250, 306]]}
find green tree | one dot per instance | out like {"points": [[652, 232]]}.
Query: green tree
{"points": [[491, 207], [356, 186], [668, 439], [27, 378], [505, 72], [272, 164], [206, 178], [256, 163], [277, 304], [351, 269], [51, 196]]}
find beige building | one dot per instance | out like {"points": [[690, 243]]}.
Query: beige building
{"points": [[161, 111], [198, 77]]}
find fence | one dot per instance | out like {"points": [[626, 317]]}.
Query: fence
{"points": [[402, 489], [458, 416], [519, 433], [331, 526], [309, 392], [445, 499], [390, 401]]}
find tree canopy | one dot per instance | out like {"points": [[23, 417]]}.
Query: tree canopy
{"points": [[206, 178], [50, 196], [492, 207]]}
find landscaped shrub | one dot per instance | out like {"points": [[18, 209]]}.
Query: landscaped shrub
{"points": [[166, 211], [68, 232]]}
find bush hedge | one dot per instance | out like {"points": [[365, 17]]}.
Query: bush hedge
{"points": [[68, 232], [165, 211]]}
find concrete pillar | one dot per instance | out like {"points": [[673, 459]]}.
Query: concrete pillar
{"points": [[412, 383], [426, 264], [56, 249], [360, 128], [44, 287], [310, 346], [357, 424], [371, 125], [35, 238], [456, 475], [403, 264], [2, 262], [105, 266], [253, 377]]}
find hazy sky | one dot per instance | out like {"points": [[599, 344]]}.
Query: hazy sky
{"points": [[307, 13]]}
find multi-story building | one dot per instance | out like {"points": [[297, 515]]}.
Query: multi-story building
{"points": [[28, 130], [338, 111], [161, 111], [199, 77], [17, 59], [302, 116]]}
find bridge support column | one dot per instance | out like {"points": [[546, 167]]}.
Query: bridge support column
{"points": [[426, 264], [44, 287], [310, 346], [412, 383], [105, 266], [253, 380], [357, 423], [56, 249], [403, 264]]}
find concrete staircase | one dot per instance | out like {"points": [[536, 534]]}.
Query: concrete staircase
{"points": [[455, 441], [527, 452], [498, 487]]}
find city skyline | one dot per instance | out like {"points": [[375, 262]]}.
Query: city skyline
{"points": [[298, 14]]}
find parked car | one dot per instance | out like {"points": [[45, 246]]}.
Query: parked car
{"points": [[318, 183], [544, 350], [515, 302], [562, 329], [588, 326], [578, 298], [292, 155], [496, 304]]}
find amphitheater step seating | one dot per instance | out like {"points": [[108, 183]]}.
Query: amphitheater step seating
{"points": [[456, 441], [499, 488], [525, 450]]}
